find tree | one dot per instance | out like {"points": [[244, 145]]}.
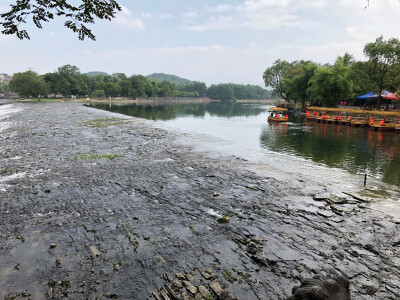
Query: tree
{"points": [[70, 81], [330, 85], [28, 84], [384, 57], [4, 89], [273, 77], [77, 15], [297, 80], [222, 92]]}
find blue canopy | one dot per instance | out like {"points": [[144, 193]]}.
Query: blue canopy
{"points": [[369, 95]]}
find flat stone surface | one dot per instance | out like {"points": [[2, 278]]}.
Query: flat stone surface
{"points": [[140, 194]]}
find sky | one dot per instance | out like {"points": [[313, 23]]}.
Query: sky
{"points": [[214, 41]]}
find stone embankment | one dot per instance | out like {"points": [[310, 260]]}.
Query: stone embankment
{"points": [[96, 205]]}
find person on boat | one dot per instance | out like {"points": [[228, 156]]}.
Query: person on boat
{"points": [[277, 116], [339, 117], [382, 122], [371, 121], [314, 113], [287, 117], [308, 113], [317, 114], [349, 118]]}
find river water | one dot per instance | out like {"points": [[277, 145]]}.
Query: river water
{"points": [[357, 150]]}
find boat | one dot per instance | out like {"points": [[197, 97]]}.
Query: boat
{"points": [[383, 120], [277, 114], [311, 116]]}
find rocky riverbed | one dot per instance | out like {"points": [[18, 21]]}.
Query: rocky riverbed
{"points": [[96, 205]]}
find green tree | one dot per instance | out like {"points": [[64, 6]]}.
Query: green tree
{"points": [[77, 13], [330, 85], [98, 94], [273, 77], [361, 73], [69, 81], [27, 84], [4, 89], [384, 56], [297, 80], [222, 92]]}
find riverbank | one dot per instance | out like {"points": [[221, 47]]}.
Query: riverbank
{"points": [[96, 204]]}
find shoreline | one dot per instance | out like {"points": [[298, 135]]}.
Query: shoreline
{"points": [[129, 206]]}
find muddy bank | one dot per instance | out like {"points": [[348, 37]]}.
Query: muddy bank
{"points": [[96, 204]]}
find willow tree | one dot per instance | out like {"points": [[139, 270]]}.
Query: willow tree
{"points": [[274, 75]]}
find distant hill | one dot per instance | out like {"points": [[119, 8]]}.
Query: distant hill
{"points": [[95, 73], [168, 77]]}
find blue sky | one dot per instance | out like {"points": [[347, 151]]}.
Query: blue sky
{"points": [[206, 40]]}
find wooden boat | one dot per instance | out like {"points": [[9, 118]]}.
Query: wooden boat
{"points": [[383, 127], [276, 114], [384, 120], [358, 122]]}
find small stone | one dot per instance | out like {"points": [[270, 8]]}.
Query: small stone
{"points": [[203, 290], [205, 275], [185, 296], [177, 284], [17, 267], [216, 287], [190, 278], [198, 297], [215, 194], [95, 251], [337, 210], [164, 294], [156, 296], [224, 219], [180, 276], [171, 293], [58, 262], [212, 273], [190, 287], [52, 246]]}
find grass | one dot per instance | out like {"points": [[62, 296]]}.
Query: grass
{"points": [[97, 156], [104, 122], [49, 99]]}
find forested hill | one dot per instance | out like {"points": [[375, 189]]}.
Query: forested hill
{"points": [[96, 73], [160, 77]]}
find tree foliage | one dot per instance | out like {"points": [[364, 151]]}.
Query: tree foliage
{"points": [[309, 82], [27, 84], [273, 77], [77, 14], [384, 56]]}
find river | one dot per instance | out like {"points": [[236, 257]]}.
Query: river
{"points": [[357, 150]]}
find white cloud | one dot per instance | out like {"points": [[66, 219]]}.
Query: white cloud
{"points": [[125, 19], [214, 23], [257, 5], [219, 8], [191, 15], [165, 16], [146, 15], [271, 22], [316, 4]]}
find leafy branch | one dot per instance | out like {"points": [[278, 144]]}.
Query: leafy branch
{"points": [[45, 10]]}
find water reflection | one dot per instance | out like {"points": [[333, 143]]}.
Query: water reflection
{"points": [[357, 150], [171, 111]]}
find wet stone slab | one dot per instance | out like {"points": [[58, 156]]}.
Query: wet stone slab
{"points": [[95, 204]]}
